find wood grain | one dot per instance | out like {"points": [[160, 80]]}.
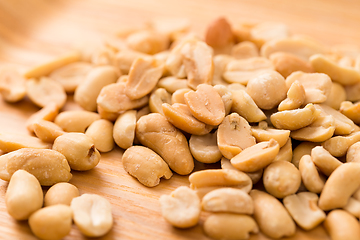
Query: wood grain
{"points": [[33, 31]]}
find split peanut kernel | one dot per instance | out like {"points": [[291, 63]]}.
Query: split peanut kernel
{"points": [[295, 97], [47, 131], [324, 160], [125, 57], [267, 133], [311, 178], [267, 31], [352, 154], [351, 110], [338, 145], [10, 142], [254, 176], [342, 225], [178, 95], [148, 41], [285, 152], [287, 63], [244, 50], [172, 84], [157, 98], [76, 120], [124, 129], [204, 148], [12, 84], [226, 97], [61, 193], [48, 112], [337, 96], [101, 131]]}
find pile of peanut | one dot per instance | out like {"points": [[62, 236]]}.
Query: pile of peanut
{"points": [[278, 110]]}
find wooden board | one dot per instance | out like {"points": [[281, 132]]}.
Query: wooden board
{"points": [[34, 31]]}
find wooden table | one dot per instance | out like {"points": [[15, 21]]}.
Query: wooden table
{"points": [[33, 31]]}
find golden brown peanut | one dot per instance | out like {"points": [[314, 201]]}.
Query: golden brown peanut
{"points": [[244, 50], [265, 134], [76, 120], [23, 195], [101, 131], [312, 180], [44, 91], [295, 119], [337, 96], [79, 150], [178, 96], [124, 129], [10, 142], [172, 84], [71, 75], [256, 157], [242, 31], [352, 92], [171, 27], [148, 41], [48, 113], [271, 215], [324, 160], [234, 135], [254, 176], [219, 34], [92, 214], [351, 110], [206, 104], [47, 165], [353, 207], [225, 226], [242, 70], [143, 77], [226, 97], [229, 200], [155, 132], [47, 131], [339, 187], [61, 193], [353, 152], [125, 57], [204, 148], [198, 63], [338, 145], [181, 208], [112, 98], [46, 68], [304, 148], [103, 56], [220, 62], [12, 84], [107, 115], [157, 98], [267, 89], [145, 165], [287, 63], [142, 112], [342, 225], [88, 90], [340, 74], [285, 152], [180, 116], [281, 179], [174, 63], [267, 31], [295, 97], [304, 210]]}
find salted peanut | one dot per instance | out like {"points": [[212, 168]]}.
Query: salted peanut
{"points": [[204, 148], [11, 141], [148, 41], [242, 70], [302, 47], [285, 152], [244, 50], [180, 116], [339, 145], [220, 178], [47, 165], [245, 106], [101, 131], [353, 207], [271, 216], [256, 157], [46, 68], [125, 57], [304, 210], [342, 225], [219, 35], [351, 110], [254, 176], [229, 200], [88, 90], [172, 84], [157, 98], [124, 129], [234, 135], [171, 27], [220, 62], [76, 120], [23, 195], [267, 31], [353, 152], [242, 31], [206, 104], [103, 56], [47, 131], [92, 215], [352, 92], [79, 150], [236, 87], [48, 113], [178, 95], [145, 165], [295, 97], [45, 90], [312, 180], [281, 179], [343, 125], [340, 185], [324, 160], [61, 193], [304, 148], [12, 84], [265, 134], [155, 132], [51, 223], [295, 119], [198, 63], [287, 63], [267, 89], [226, 97], [181, 208], [337, 96], [175, 62], [142, 112], [112, 98], [225, 226], [340, 74]]}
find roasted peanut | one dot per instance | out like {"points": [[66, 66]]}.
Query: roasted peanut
{"points": [[352, 92], [101, 131], [287, 63], [220, 63], [157, 98], [353, 207], [267, 31], [219, 34], [342, 225], [10, 142], [204, 148], [178, 96], [285, 152], [352, 154], [304, 148], [124, 129], [324, 160], [295, 97], [61, 193], [47, 131], [254, 176], [49, 112], [267, 133], [244, 50], [125, 57], [172, 84], [337, 96], [351, 110], [311, 178], [148, 41], [226, 97], [12, 84], [338, 145], [171, 27], [76, 120]]}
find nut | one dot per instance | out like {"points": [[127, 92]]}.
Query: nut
{"points": [[338, 145], [324, 160], [311, 178], [351, 110], [101, 131], [287, 63], [124, 129], [219, 34], [157, 98], [61, 193], [76, 120], [353, 152], [48, 113], [10, 142], [204, 148], [295, 97], [254, 176], [244, 50], [172, 84], [47, 131], [337, 96], [342, 225], [12, 84]]}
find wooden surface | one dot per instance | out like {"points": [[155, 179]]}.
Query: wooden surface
{"points": [[33, 31]]}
